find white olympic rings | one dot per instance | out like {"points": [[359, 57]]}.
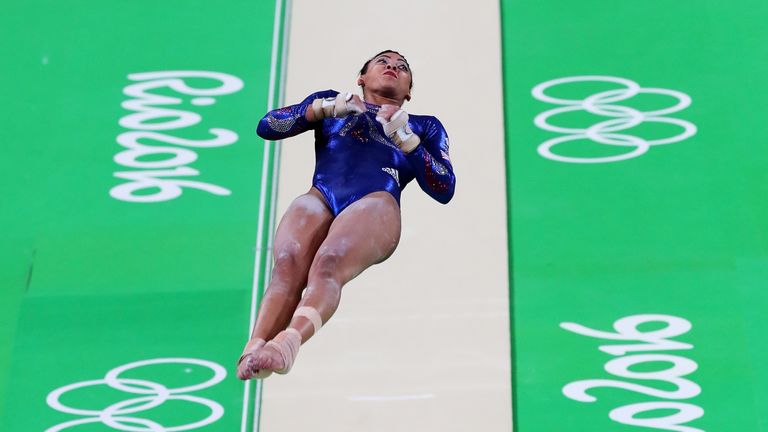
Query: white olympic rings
{"points": [[622, 118], [114, 416]]}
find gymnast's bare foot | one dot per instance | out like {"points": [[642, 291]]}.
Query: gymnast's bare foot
{"points": [[278, 354], [246, 368], [268, 358]]}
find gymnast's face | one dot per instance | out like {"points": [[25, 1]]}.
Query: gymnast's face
{"points": [[388, 75]]}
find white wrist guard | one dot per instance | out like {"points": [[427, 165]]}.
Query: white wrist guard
{"points": [[399, 132], [337, 107]]}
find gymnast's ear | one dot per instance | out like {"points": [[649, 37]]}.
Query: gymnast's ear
{"points": [[408, 96], [360, 81]]}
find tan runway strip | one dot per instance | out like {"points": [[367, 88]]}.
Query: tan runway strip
{"points": [[420, 342]]}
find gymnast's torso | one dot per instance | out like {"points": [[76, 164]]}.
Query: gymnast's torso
{"points": [[354, 158]]}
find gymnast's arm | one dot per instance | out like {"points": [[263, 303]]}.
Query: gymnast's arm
{"points": [[431, 162], [292, 120]]}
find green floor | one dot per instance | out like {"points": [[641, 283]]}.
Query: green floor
{"points": [[605, 227], [122, 246]]}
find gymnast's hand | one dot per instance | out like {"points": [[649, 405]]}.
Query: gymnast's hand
{"points": [[385, 113], [342, 105], [357, 103], [395, 121]]}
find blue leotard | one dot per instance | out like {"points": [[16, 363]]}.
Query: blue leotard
{"points": [[353, 157]]}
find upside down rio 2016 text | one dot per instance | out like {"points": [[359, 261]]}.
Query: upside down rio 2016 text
{"points": [[150, 114], [627, 329]]}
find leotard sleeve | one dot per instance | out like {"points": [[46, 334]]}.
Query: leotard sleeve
{"points": [[289, 121], [431, 163]]}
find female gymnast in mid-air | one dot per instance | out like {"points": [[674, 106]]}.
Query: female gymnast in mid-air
{"points": [[367, 151]]}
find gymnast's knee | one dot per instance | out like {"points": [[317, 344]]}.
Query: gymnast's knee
{"points": [[327, 266], [288, 266]]}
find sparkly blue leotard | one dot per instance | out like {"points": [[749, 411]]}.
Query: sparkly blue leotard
{"points": [[354, 157]]}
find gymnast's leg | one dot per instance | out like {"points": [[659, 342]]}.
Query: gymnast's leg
{"points": [[364, 234], [299, 235]]}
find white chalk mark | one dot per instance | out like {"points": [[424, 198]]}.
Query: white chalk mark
{"points": [[396, 398]]}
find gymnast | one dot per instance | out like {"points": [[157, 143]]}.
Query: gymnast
{"points": [[367, 150]]}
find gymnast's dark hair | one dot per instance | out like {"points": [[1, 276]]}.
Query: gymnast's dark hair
{"points": [[364, 69]]}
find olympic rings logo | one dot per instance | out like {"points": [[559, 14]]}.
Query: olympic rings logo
{"points": [[152, 394], [621, 118]]}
